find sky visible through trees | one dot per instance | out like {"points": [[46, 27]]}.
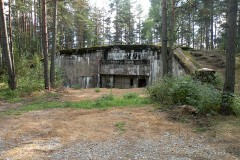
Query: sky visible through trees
{"points": [[104, 4]]}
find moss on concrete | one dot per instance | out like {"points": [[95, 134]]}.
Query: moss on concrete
{"points": [[186, 60]]}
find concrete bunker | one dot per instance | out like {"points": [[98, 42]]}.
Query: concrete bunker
{"points": [[114, 66]]}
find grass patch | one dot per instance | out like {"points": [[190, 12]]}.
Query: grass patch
{"points": [[48, 101], [130, 96], [120, 126]]}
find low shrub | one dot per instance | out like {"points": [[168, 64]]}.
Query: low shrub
{"points": [[186, 91], [218, 81], [161, 91], [236, 105]]}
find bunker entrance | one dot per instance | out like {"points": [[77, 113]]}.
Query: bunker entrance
{"points": [[142, 83], [131, 83]]}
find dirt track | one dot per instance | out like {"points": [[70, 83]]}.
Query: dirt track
{"points": [[92, 134]]}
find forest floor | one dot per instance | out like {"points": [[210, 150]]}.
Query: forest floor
{"points": [[114, 133]]}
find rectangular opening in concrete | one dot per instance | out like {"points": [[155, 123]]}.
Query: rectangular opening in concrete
{"points": [[142, 83], [131, 83]]}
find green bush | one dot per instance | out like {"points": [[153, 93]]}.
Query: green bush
{"points": [[161, 91], [236, 106], [218, 81], [30, 78], [210, 99], [186, 91]]}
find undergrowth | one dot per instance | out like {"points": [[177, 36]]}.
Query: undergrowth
{"points": [[186, 91], [30, 78]]}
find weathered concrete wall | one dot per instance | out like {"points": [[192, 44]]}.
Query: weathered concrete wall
{"points": [[80, 70], [125, 67], [113, 66]]}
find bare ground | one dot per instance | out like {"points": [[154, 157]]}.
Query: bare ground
{"points": [[92, 134]]}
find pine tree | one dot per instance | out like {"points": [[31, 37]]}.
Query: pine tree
{"points": [[45, 45], [8, 56], [164, 38], [229, 84], [54, 44]]}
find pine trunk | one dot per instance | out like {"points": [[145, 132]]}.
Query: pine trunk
{"points": [[6, 51], [10, 27], [207, 35], [189, 30], [238, 33], [193, 31], [164, 38], [45, 44], [171, 40], [54, 44], [228, 89], [212, 10]]}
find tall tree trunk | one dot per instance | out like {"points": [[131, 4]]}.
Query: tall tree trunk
{"points": [[211, 30], [193, 31], [45, 44], [164, 38], [182, 33], [1, 56], [201, 36], [215, 34], [171, 40], [6, 51], [35, 18], [207, 35], [40, 28], [189, 30], [18, 32], [10, 36], [228, 89], [54, 42], [10, 27], [238, 33]]}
